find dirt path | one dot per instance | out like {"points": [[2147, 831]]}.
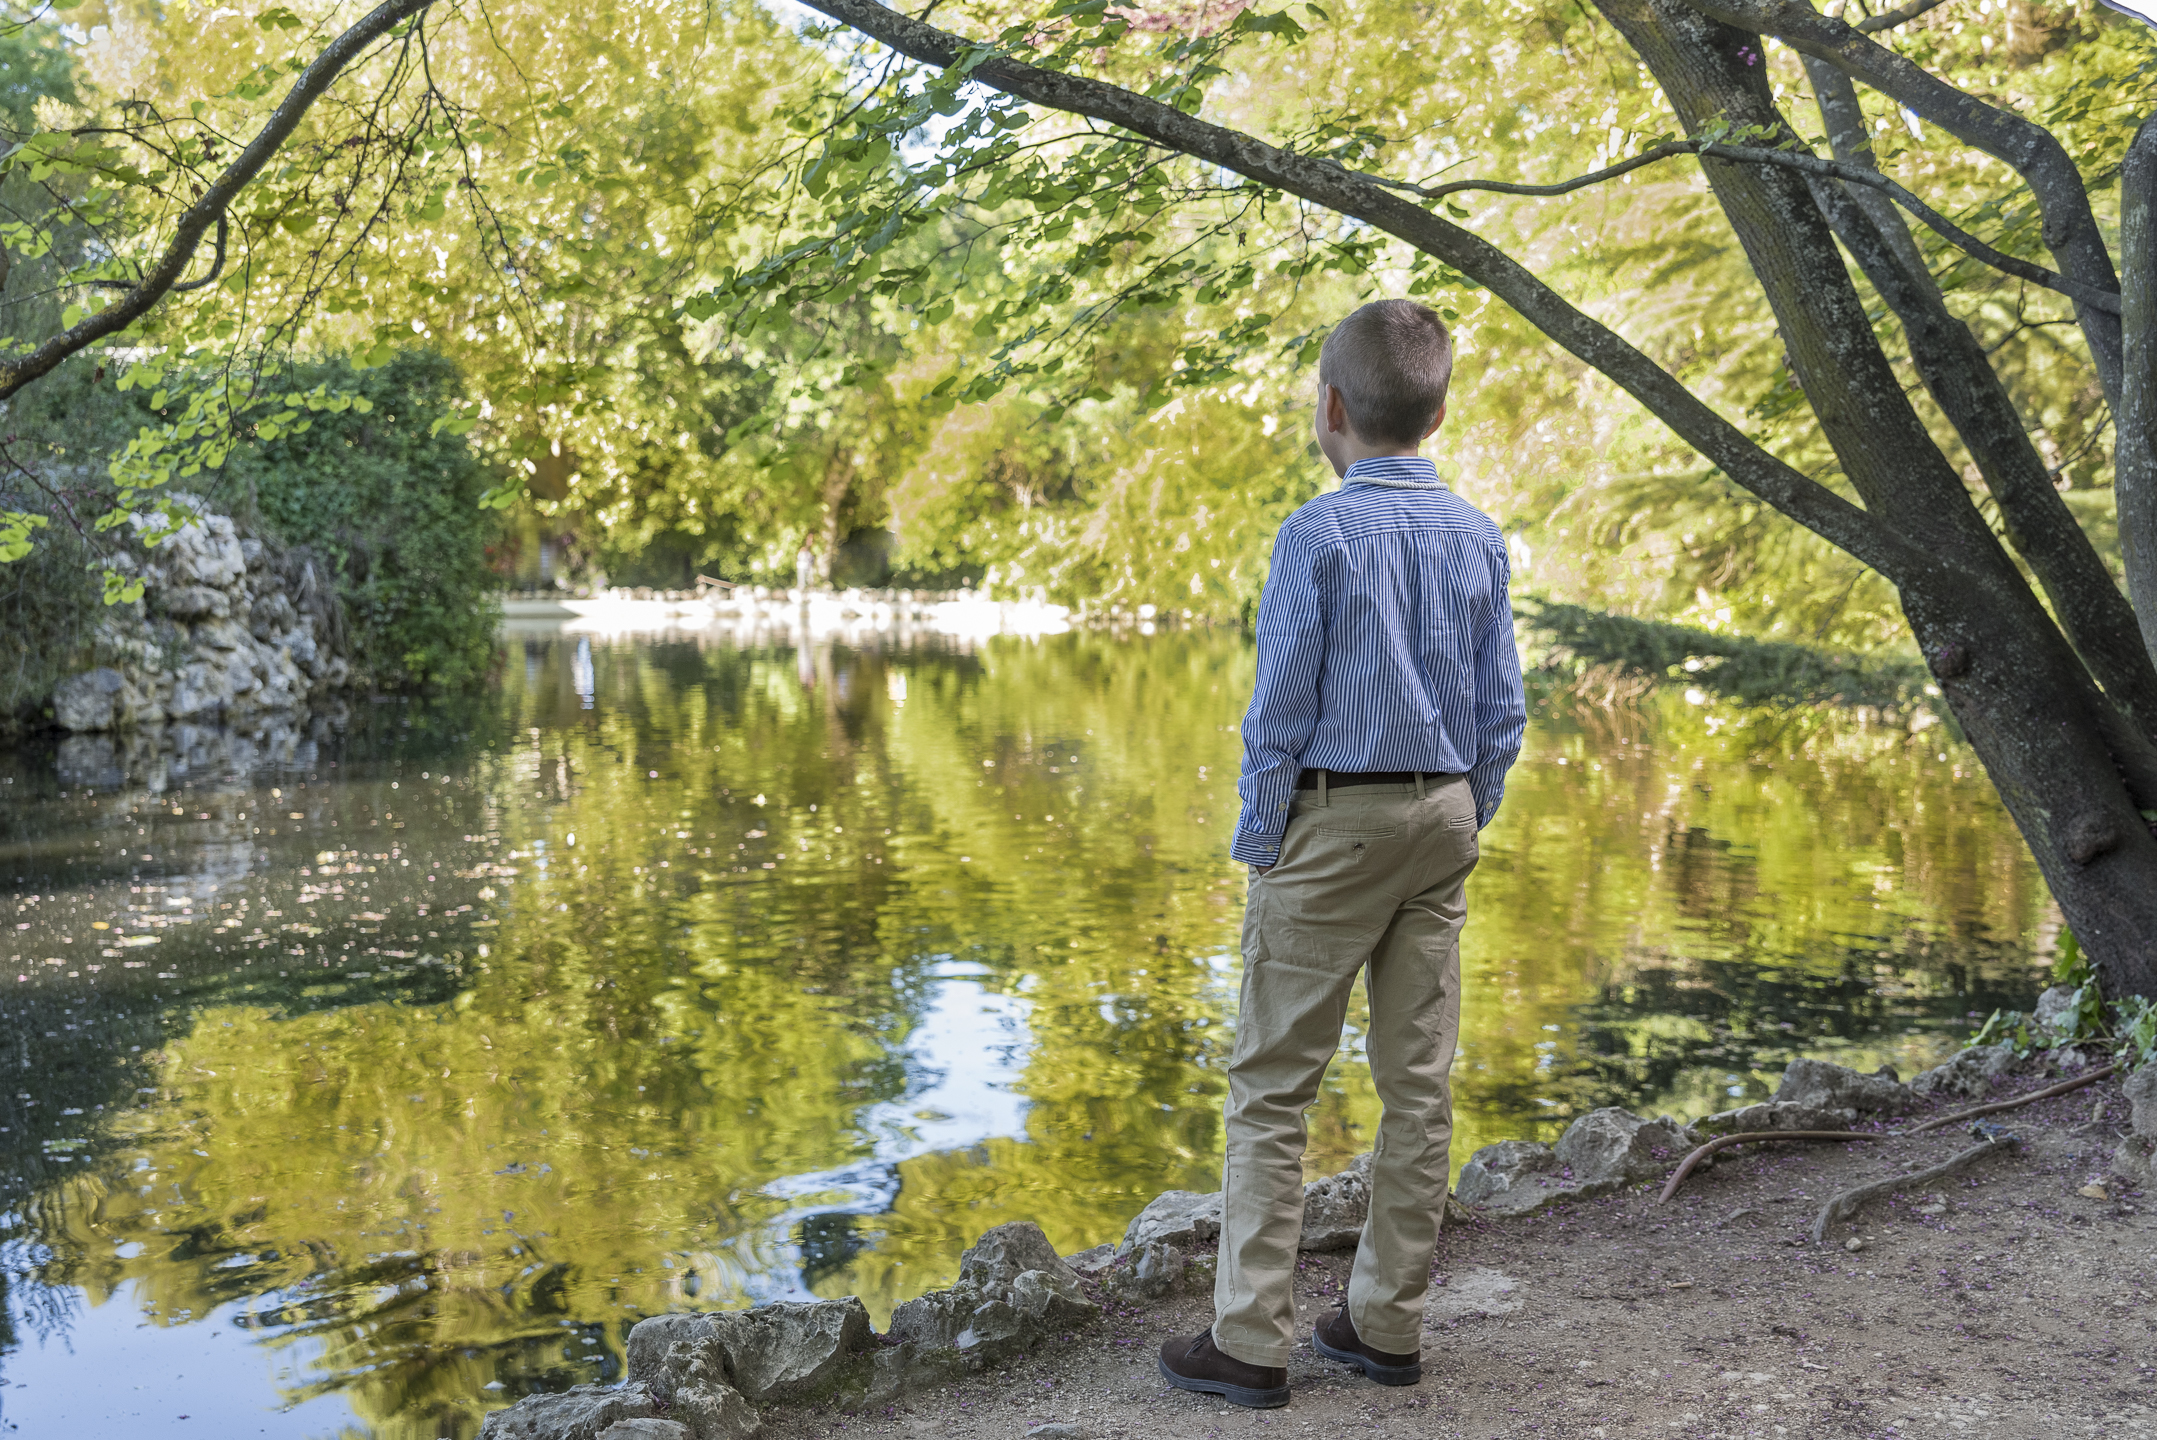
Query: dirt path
{"points": [[2019, 1308]]}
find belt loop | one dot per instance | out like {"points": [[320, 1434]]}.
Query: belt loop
{"points": [[1322, 802], [1419, 784]]}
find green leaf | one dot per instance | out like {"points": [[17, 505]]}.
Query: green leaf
{"points": [[15, 528], [122, 589], [1280, 23]]}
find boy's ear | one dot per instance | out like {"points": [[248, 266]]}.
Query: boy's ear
{"points": [[1337, 413], [1436, 421]]}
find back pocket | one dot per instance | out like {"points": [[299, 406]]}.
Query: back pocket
{"points": [[1344, 846]]}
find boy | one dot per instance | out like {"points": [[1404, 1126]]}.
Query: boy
{"points": [[1387, 710]]}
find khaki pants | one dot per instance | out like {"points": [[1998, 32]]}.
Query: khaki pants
{"points": [[1370, 876]]}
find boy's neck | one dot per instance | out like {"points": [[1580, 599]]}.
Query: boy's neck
{"points": [[1349, 454]]}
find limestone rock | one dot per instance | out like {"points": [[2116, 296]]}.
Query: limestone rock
{"points": [[1511, 1177], [1968, 1074], [2056, 1009], [1183, 1218], [1471, 1293], [1152, 1271], [201, 552], [904, 1365], [227, 630], [2136, 1158], [1003, 1254], [584, 1413], [271, 616], [198, 692], [1825, 1086], [790, 1350], [196, 602], [89, 701], [974, 1324], [684, 1361], [221, 635], [647, 1430], [714, 1411], [652, 1341], [1090, 1263], [1610, 1148], [1334, 1208], [1772, 1115]]}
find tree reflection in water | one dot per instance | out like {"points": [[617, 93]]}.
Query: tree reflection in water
{"points": [[431, 1053]]}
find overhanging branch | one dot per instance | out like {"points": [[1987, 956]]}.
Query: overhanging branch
{"points": [[164, 277], [2105, 300]]}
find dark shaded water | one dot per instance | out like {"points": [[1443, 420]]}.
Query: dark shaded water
{"points": [[361, 1083]]}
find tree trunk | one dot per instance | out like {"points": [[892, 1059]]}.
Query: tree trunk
{"points": [[2134, 453]]}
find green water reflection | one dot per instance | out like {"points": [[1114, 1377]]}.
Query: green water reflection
{"points": [[427, 1056]]}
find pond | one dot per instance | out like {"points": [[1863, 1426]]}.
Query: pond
{"points": [[363, 1078]]}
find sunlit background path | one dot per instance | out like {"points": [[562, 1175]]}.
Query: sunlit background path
{"points": [[360, 1083]]}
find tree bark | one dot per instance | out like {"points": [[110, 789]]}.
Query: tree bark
{"points": [[2134, 451]]}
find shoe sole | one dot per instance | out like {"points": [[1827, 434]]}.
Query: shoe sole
{"points": [[1243, 1395], [1383, 1374]]}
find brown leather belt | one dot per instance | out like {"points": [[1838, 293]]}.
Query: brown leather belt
{"points": [[1350, 779]]}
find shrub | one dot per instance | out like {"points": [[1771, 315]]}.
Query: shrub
{"points": [[396, 507]]}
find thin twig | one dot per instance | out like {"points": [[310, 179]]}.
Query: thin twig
{"points": [[1844, 1205]]}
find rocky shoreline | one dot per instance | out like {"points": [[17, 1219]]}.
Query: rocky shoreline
{"points": [[707, 1376]]}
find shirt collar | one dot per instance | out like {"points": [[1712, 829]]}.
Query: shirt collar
{"points": [[1395, 472]]}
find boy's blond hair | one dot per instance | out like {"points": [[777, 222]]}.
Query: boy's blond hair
{"points": [[1391, 361]]}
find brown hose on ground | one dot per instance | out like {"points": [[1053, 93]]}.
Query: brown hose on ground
{"points": [[1724, 1142], [1685, 1167], [2088, 1077]]}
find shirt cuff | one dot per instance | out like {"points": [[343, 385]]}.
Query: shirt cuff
{"points": [[1255, 849]]}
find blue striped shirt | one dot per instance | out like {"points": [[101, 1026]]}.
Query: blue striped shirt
{"points": [[1385, 642]]}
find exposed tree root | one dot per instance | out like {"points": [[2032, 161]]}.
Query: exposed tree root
{"points": [[1842, 1206]]}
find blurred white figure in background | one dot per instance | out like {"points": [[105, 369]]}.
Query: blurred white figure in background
{"points": [[580, 672]]}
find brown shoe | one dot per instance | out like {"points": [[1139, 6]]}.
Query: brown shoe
{"points": [[1335, 1338], [1198, 1364]]}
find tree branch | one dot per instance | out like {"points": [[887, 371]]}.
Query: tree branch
{"points": [[1959, 376], [2106, 300], [2070, 228], [164, 276], [1326, 183], [1893, 18]]}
